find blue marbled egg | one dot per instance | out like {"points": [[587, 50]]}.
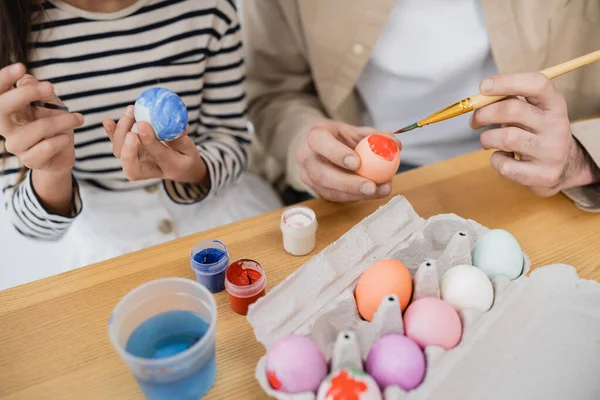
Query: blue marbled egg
{"points": [[164, 110]]}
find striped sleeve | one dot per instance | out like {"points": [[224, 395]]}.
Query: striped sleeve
{"points": [[29, 217], [223, 137]]}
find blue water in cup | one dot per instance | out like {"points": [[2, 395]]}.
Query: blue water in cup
{"points": [[165, 332], [166, 335]]}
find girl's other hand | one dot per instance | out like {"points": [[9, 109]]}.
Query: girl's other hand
{"points": [[42, 139], [145, 157]]}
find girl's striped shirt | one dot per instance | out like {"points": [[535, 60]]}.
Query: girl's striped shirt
{"points": [[100, 63]]}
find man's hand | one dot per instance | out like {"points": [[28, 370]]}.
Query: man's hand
{"points": [[537, 130], [328, 162]]}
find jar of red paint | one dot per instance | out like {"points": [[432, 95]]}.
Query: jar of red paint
{"points": [[245, 281]]}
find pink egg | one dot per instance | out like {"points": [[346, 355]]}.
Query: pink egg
{"points": [[433, 322], [396, 360], [295, 365], [379, 157]]}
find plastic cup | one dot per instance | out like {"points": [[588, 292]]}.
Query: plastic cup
{"points": [[208, 265], [150, 322]]}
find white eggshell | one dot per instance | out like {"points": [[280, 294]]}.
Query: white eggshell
{"points": [[467, 287], [349, 384], [497, 253]]}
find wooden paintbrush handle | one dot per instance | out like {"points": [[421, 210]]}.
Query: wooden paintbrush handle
{"points": [[481, 100], [570, 65]]}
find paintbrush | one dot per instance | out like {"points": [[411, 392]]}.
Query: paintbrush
{"points": [[49, 106], [479, 100]]}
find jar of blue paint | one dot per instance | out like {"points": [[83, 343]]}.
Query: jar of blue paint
{"points": [[209, 260]]}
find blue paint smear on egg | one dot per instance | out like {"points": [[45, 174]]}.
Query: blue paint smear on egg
{"points": [[164, 110]]}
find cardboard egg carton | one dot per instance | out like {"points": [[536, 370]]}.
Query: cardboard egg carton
{"points": [[538, 340]]}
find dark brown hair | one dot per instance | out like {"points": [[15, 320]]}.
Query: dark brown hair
{"points": [[16, 20]]}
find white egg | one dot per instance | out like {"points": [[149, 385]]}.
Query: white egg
{"points": [[467, 287], [497, 253]]}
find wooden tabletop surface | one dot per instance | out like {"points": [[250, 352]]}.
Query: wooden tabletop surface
{"points": [[53, 332]]}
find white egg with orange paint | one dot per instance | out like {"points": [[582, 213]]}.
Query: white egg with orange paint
{"points": [[349, 384], [379, 157]]}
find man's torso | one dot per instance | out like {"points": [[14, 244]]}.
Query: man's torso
{"points": [[337, 37]]}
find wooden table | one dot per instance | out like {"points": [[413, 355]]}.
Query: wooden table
{"points": [[53, 333]]}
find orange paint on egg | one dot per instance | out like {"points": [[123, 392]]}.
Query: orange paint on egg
{"points": [[379, 157], [345, 387], [383, 146], [273, 380]]}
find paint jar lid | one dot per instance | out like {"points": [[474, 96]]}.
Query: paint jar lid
{"points": [[209, 257], [298, 222], [253, 287]]}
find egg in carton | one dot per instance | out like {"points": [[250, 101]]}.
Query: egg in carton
{"points": [[318, 301]]}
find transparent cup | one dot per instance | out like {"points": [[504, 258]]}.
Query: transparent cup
{"points": [[164, 330]]}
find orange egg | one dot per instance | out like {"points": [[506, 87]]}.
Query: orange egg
{"points": [[379, 157], [382, 279]]}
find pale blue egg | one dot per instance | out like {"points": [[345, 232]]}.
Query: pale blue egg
{"points": [[498, 253], [164, 110]]}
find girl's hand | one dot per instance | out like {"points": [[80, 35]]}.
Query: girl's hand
{"points": [[42, 139], [145, 157], [538, 130]]}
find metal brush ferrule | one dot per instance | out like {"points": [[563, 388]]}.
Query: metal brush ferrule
{"points": [[456, 109]]}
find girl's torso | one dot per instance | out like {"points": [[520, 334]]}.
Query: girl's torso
{"points": [[100, 63]]}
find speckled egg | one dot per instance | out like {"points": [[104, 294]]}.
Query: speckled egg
{"points": [[396, 360], [497, 253], [467, 287], [381, 279], [379, 157], [433, 322], [349, 384], [295, 365], [164, 110]]}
